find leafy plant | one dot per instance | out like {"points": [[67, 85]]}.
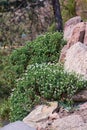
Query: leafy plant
{"points": [[4, 110], [43, 81], [4, 88], [68, 9], [46, 48]]}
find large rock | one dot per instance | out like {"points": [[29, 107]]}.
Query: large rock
{"points": [[72, 122], [79, 34], [63, 54], [43, 118], [80, 96], [18, 125], [40, 114], [69, 26], [76, 59]]}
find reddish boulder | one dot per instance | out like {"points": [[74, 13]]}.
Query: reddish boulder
{"points": [[69, 26], [63, 54], [76, 59], [79, 34]]}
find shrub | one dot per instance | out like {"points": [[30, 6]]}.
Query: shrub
{"points": [[42, 81], [4, 88], [4, 110], [45, 48]]}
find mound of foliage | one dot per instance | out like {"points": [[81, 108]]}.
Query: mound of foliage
{"points": [[4, 90], [4, 111], [46, 48], [35, 76], [42, 81]]}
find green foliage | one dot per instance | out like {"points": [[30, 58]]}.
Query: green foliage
{"points": [[68, 9], [52, 27], [4, 88], [42, 81], [45, 48], [4, 110]]}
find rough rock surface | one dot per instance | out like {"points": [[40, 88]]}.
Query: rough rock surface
{"points": [[80, 96], [76, 59], [40, 114], [83, 106], [62, 120], [83, 113], [68, 123], [78, 33], [69, 26]]}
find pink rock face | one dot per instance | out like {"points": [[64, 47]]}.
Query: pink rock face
{"points": [[40, 114], [63, 54], [72, 122], [83, 106], [79, 34], [69, 25], [76, 59]]}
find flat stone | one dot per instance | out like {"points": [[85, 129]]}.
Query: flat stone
{"points": [[40, 114]]}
